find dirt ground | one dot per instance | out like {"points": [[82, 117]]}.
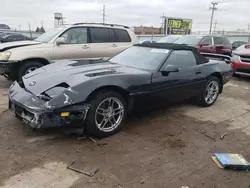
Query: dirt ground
{"points": [[169, 148]]}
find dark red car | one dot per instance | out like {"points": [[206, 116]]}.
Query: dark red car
{"points": [[208, 43], [241, 61]]}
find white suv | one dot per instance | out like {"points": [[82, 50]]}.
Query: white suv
{"points": [[78, 41]]}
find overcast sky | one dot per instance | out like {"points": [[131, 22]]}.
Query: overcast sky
{"points": [[231, 14]]}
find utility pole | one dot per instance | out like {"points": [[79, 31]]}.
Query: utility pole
{"points": [[248, 30], [103, 14], [30, 30], [215, 24], [162, 23], [213, 8]]}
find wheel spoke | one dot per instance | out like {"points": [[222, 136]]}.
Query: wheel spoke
{"points": [[103, 123], [111, 103], [118, 111], [113, 118], [100, 111]]}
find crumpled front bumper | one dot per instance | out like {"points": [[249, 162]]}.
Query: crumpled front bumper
{"points": [[31, 110]]}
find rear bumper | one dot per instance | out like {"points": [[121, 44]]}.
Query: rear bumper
{"points": [[31, 110], [241, 68]]}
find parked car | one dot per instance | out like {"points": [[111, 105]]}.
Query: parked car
{"points": [[208, 43], [78, 41], [243, 47], [237, 44], [4, 26], [2, 34], [99, 94], [241, 62], [147, 41], [13, 38], [169, 39]]}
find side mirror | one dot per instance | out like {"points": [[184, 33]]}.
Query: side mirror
{"points": [[60, 41], [168, 69], [205, 44]]}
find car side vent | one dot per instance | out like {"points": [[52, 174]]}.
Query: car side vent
{"points": [[63, 84], [100, 73]]}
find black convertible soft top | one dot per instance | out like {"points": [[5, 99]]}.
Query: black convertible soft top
{"points": [[170, 46]]}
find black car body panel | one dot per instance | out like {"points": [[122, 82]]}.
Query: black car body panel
{"points": [[66, 86]]}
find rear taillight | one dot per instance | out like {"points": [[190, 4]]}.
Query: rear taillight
{"points": [[247, 46]]}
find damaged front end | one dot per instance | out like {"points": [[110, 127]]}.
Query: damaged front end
{"points": [[37, 112]]}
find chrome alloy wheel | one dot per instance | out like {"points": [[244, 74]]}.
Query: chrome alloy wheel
{"points": [[211, 92], [29, 70], [109, 114]]}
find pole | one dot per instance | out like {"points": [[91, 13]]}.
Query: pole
{"points": [[162, 23], [103, 15], [30, 30], [213, 8], [248, 32], [215, 24]]}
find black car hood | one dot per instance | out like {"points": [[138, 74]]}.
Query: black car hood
{"points": [[72, 73], [10, 45]]}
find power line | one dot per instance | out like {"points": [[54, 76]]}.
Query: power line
{"points": [[213, 8]]}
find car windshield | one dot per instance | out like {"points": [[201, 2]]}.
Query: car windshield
{"points": [[189, 40], [169, 39], [141, 57], [46, 37]]}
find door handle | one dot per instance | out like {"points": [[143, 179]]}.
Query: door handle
{"points": [[114, 45], [85, 47], [198, 72]]}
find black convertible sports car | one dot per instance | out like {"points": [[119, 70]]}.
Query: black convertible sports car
{"points": [[99, 94]]}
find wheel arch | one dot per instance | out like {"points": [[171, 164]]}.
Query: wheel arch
{"points": [[118, 89], [38, 59], [18, 65]]}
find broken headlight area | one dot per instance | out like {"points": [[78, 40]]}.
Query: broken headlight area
{"points": [[73, 116], [37, 112]]}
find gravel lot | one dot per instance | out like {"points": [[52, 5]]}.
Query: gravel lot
{"points": [[171, 148]]}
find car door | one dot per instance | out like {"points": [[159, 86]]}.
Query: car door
{"points": [[102, 42], [123, 41], [9, 38], [75, 45], [206, 45], [219, 45], [177, 85]]}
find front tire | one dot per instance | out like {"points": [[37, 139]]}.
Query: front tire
{"points": [[106, 115], [27, 67], [211, 92]]}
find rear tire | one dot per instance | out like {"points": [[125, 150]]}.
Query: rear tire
{"points": [[27, 67], [101, 116], [210, 94]]}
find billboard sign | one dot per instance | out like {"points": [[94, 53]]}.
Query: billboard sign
{"points": [[178, 26]]}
